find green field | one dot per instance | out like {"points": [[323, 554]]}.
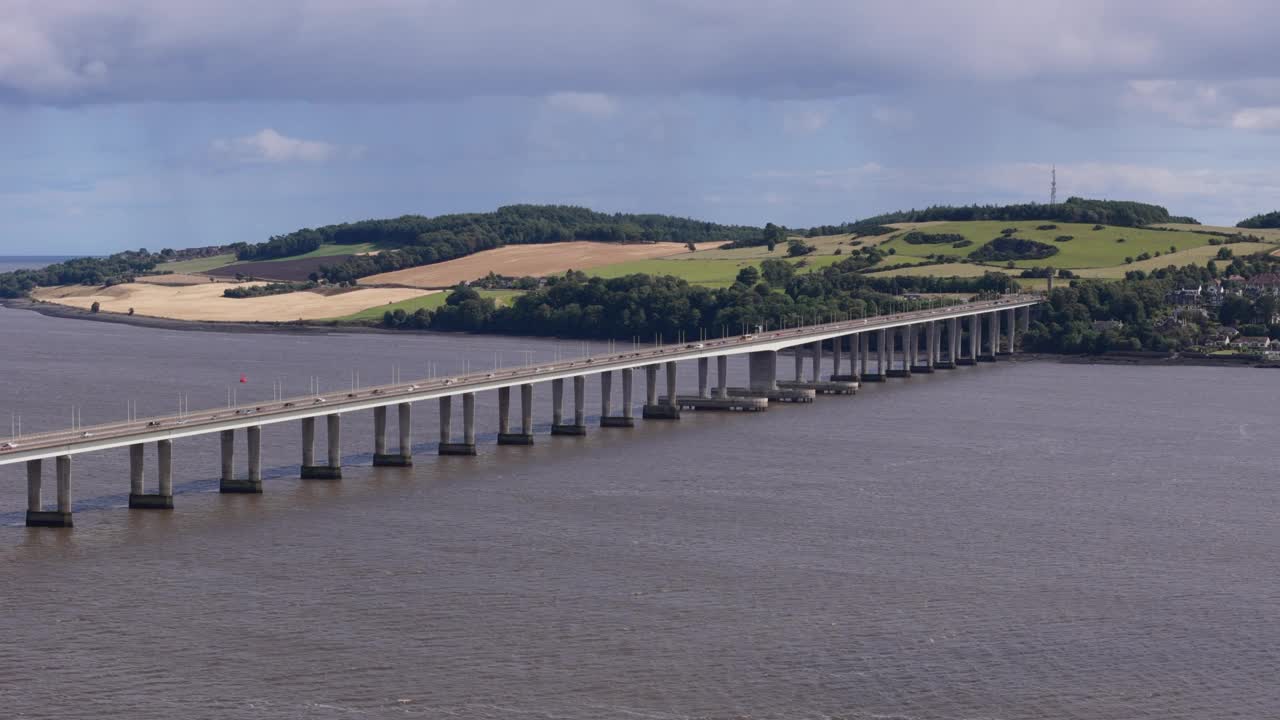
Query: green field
{"points": [[711, 273], [1089, 249], [198, 265], [428, 302]]}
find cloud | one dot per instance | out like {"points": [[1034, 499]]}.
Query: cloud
{"points": [[269, 146], [75, 51], [1260, 118], [594, 104], [805, 120]]}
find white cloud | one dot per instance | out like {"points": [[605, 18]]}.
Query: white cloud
{"points": [[1257, 118], [593, 104], [805, 121], [269, 146]]}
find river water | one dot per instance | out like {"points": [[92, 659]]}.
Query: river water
{"points": [[1023, 540]]}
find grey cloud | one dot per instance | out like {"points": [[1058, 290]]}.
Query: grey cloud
{"points": [[81, 51]]}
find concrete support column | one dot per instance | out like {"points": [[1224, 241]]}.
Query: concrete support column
{"points": [[931, 344], [651, 384], [704, 370], [837, 350], [380, 431], [606, 394], [882, 339], [254, 435], [627, 381], [799, 356], [580, 400], [164, 467], [863, 347], [334, 438], [34, 470], [671, 383], [137, 453], [557, 402], [504, 409], [446, 419], [1011, 325], [308, 442], [1025, 319], [469, 418], [63, 465], [975, 337], [722, 376], [816, 350], [405, 411], [228, 438], [953, 340]]}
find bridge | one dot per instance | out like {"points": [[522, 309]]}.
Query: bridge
{"points": [[878, 348]]}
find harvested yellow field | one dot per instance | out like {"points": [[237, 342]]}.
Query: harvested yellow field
{"points": [[177, 279], [204, 302], [945, 270], [533, 260]]}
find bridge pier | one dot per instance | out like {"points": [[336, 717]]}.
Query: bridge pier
{"points": [[525, 436], [381, 458], [722, 377], [882, 337], [139, 499], [989, 349], [579, 426], [670, 408], [468, 444], [252, 485], [1011, 331], [704, 372], [799, 358], [905, 335], [607, 418], [864, 346], [924, 363], [948, 330], [837, 352], [37, 516], [333, 438]]}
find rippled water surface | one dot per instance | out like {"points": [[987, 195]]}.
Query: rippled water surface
{"points": [[1025, 540]]}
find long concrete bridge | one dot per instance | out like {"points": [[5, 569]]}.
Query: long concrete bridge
{"points": [[877, 348]]}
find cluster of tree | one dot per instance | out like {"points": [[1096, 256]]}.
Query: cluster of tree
{"points": [[295, 243], [861, 229], [646, 306], [112, 270], [771, 236], [1074, 210], [251, 291], [1265, 220], [1046, 272], [1010, 248], [494, 281], [915, 237]]}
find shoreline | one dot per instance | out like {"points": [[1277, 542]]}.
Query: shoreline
{"points": [[313, 327]]}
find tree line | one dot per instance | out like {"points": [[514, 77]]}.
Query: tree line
{"points": [[119, 268], [1074, 210]]}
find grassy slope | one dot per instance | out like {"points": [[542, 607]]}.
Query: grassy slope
{"points": [[1090, 248], [199, 265], [429, 302]]}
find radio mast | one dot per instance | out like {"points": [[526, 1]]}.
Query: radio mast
{"points": [[1053, 185]]}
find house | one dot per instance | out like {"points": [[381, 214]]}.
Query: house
{"points": [[1184, 296], [1263, 284], [1256, 344], [1220, 337]]}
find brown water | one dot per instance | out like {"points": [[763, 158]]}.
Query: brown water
{"points": [[1026, 540]]}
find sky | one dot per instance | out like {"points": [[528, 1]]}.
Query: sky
{"points": [[175, 123]]}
